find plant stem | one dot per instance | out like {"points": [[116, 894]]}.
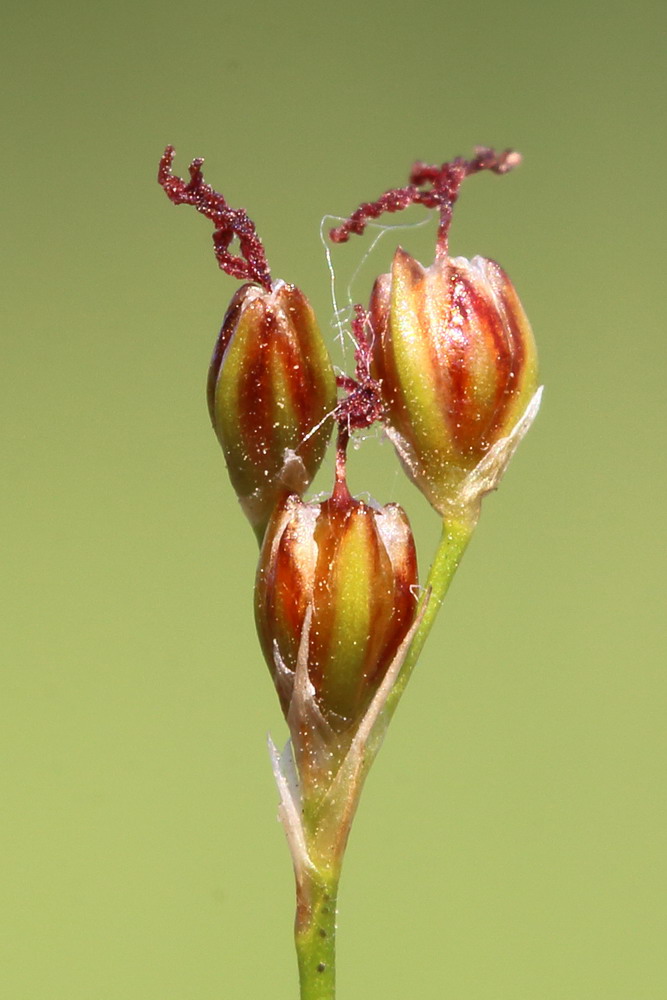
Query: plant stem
{"points": [[315, 927], [456, 533], [315, 935]]}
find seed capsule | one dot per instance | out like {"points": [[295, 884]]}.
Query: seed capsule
{"points": [[455, 355], [270, 385], [355, 566], [271, 391]]}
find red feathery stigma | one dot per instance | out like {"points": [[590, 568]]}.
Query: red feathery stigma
{"points": [[431, 186], [363, 404], [230, 223]]}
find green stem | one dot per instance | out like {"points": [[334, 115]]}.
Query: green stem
{"points": [[315, 929], [315, 936], [456, 533]]}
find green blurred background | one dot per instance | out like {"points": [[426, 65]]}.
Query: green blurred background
{"points": [[510, 842]]}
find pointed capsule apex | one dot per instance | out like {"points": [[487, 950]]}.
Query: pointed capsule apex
{"points": [[407, 267]]}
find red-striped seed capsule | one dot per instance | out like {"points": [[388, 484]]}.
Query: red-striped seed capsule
{"points": [[356, 567], [271, 392], [456, 359]]}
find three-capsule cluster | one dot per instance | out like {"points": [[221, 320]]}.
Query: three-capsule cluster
{"points": [[445, 359]]}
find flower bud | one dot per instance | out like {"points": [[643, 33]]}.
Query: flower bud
{"points": [[456, 359], [271, 388], [355, 567]]}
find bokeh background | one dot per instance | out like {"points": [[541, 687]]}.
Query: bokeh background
{"points": [[510, 845]]}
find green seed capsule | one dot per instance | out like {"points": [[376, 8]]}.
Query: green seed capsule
{"points": [[356, 567], [456, 359], [271, 393]]}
